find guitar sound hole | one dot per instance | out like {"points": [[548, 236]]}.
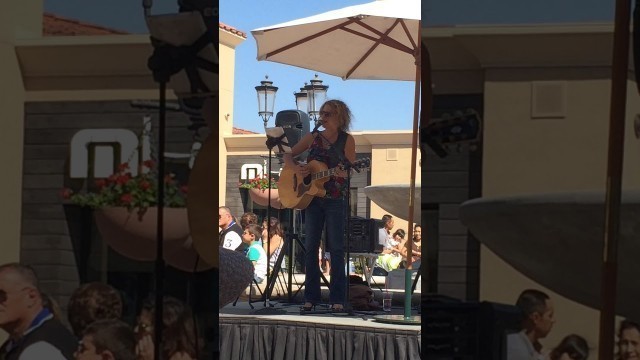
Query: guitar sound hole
{"points": [[307, 180]]}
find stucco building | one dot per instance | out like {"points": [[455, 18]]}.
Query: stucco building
{"points": [[544, 92]]}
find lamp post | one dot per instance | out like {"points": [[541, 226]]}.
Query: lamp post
{"points": [[302, 99], [316, 96], [266, 99]]}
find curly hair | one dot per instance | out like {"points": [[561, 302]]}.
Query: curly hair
{"points": [[342, 112], [248, 218], [179, 335], [91, 302]]}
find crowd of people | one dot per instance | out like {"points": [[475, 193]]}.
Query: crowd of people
{"points": [[396, 247], [37, 329], [538, 318]]}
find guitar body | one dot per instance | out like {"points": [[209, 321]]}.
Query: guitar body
{"points": [[296, 192]]}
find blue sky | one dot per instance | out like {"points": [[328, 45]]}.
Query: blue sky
{"points": [[377, 105]]}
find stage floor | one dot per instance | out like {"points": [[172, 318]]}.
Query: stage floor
{"points": [[260, 333]]}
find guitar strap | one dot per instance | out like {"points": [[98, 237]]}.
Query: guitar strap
{"points": [[338, 146]]}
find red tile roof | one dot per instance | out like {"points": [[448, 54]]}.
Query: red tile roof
{"points": [[231, 29], [237, 131], [54, 25]]}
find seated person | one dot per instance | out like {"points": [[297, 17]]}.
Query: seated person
{"points": [[572, 347], [256, 254], [391, 255], [107, 339], [416, 248], [274, 239], [247, 219]]}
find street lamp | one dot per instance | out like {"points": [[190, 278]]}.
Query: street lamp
{"points": [[266, 99], [302, 99], [316, 96]]}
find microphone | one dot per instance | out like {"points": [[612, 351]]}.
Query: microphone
{"points": [[318, 124]]}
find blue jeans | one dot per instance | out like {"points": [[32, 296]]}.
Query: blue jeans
{"points": [[331, 212]]}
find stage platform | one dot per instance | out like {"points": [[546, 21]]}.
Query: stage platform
{"points": [[247, 334]]}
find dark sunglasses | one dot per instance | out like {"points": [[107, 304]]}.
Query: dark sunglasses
{"points": [[325, 114]]}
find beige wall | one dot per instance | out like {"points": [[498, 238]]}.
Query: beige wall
{"points": [[390, 169], [525, 155], [11, 138], [228, 43], [18, 20]]}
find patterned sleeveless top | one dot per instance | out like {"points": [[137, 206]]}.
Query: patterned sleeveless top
{"points": [[336, 187]]}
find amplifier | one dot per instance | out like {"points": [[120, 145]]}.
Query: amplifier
{"points": [[364, 235], [467, 330]]}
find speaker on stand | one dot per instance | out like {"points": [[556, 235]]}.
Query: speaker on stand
{"points": [[295, 124]]}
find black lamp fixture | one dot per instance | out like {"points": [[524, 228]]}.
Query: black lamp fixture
{"points": [[266, 99], [316, 96]]}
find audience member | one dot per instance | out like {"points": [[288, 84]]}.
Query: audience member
{"points": [[248, 218], [391, 255], [91, 302], [572, 347], [107, 340], [275, 241], [256, 254], [538, 319], [33, 332], [231, 232], [385, 230], [179, 341], [628, 340]]}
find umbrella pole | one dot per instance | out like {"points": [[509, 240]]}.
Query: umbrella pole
{"points": [[614, 178], [412, 188]]}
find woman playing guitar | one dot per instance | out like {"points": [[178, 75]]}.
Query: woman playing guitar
{"points": [[335, 117]]}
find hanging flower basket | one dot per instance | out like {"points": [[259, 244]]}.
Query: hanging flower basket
{"points": [[133, 234], [259, 191], [261, 197]]}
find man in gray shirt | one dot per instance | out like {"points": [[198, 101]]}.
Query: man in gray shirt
{"points": [[538, 319]]}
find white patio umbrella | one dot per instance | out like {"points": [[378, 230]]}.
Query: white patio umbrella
{"points": [[379, 40]]}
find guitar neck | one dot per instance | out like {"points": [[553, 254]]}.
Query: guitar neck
{"points": [[323, 174]]}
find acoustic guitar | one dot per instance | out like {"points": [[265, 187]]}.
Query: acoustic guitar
{"points": [[296, 192]]}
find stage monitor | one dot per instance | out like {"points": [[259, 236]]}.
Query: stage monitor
{"points": [[467, 330], [364, 235], [295, 124]]}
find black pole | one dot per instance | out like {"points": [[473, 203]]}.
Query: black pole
{"points": [[158, 324], [615, 158], [347, 213], [267, 292]]}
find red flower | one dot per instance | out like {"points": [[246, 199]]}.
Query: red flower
{"points": [[145, 185], [126, 198], [168, 179], [100, 183], [149, 164], [184, 189], [66, 193], [123, 179], [122, 167]]}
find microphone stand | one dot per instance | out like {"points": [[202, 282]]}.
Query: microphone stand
{"points": [[271, 143]]}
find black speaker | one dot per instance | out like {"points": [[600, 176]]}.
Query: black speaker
{"points": [[364, 235], [467, 330], [295, 124]]}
